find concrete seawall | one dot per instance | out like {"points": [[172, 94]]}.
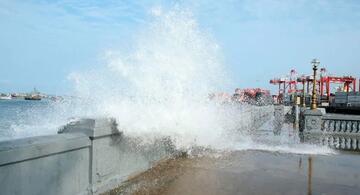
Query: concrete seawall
{"points": [[86, 157]]}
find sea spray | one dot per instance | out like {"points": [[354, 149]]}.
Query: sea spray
{"points": [[161, 88]]}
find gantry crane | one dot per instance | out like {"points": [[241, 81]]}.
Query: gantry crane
{"points": [[288, 85]]}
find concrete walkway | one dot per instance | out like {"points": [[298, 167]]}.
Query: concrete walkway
{"points": [[250, 172]]}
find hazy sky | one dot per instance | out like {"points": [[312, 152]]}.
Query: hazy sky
{"points": [[43, 41]]}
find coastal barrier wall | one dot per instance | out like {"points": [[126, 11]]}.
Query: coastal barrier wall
{"points": [[86, 157], [45, 165]]}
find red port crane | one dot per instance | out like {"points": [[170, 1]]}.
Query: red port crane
{"points": [[289, 84], [348, 82], [286, 85]]}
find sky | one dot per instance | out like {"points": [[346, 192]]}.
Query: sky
{"points": [[43, 41]]}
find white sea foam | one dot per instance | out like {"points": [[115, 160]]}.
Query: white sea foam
{"points": [[161, 88]]}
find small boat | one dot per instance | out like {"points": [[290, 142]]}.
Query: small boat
{"points": [[32, 97], [5, 97], [35, 95]]}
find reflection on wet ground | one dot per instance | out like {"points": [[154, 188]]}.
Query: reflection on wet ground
{"points": [[278, 161], [250, 172]]}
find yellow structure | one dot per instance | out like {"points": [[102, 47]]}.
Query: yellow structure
{"points": [[315, 64]]}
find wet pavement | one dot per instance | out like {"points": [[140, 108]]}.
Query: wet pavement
{"points": [[250, 172]]}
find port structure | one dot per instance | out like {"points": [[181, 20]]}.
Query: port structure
{"points": [[289, 86], [348, 82]]}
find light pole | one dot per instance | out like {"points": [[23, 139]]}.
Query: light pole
{"points": [[303, 97], [315, 64]]}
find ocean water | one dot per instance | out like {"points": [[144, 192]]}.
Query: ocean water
{"points": [[17, 116], [24, 118]]}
